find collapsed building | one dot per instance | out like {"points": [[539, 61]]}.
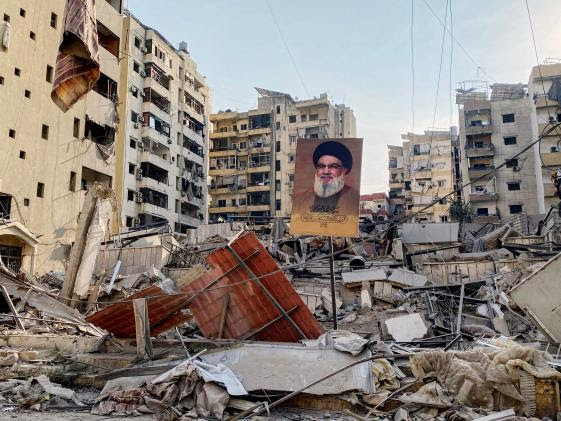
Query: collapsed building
{"points": [[235, 320]]}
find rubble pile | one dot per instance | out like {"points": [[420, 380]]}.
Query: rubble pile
{"points": [[433, 321]]}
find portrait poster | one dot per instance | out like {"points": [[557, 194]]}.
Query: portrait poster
{"points": [[326, 192]]}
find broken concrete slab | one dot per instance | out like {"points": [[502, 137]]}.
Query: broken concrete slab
{"points": [[534, 295], [406, 328], [407, 278], [357, 276], [365, 298], [293, 367]]}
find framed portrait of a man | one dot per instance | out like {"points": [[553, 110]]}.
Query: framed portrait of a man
{"points": [[326, 193]]}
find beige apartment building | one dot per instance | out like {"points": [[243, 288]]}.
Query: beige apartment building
{"points": [[496, 124], [252, 153], [49, 158], [421, 171], [161, 166], [544, 91]]}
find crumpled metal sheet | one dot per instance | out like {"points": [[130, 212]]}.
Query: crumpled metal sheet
{"points": [[248, 307], [119, 319]]}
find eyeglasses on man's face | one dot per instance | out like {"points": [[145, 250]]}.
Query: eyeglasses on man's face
{"points": [[330, 166]]}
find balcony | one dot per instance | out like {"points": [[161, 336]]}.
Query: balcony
{"points": [[479, 129], [394, 184], [472, 150], [150, 183], [226, 209], [155, 135], [424, 173], [153, 84], [222, 135], [216, 171], [483, 196], [192, 156], [189, 220], [476, 172], [152, 209], [259, 207], [254, 188], [264, 130], [259, 167]]}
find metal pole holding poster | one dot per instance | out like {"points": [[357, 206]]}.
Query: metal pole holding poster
{"points": [[332, 270]]}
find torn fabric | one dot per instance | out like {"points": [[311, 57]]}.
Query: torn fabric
{"points": [[77, 64]]}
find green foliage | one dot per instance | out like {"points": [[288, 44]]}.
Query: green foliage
{"points": [[461, 211]]}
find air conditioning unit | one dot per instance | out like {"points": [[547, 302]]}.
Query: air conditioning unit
{"points": [[142, 94], [139, 174], [136, 222], [516, 168], [137, 125], [140, 144], [170, 141], [435, 198], [183, 194], [139, 198], [134, 89], [143, 49], [140, 119], [143, 73]]}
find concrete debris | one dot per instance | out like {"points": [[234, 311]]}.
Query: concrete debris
{"points": [[435, 321], [406, 328]]}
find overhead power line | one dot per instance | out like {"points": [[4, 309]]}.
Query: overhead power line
{"points": [[468, 55], [287, 49]]}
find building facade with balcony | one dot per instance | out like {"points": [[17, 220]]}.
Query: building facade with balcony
{"points": [[161, 167], [50, 158], [252, 154], [495, 124], [429, 173], [544, 91], [375, 206]]}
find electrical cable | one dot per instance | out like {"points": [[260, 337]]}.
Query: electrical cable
{"points": [[541, 81], [365, 239], [287, 49], [469, 56]]}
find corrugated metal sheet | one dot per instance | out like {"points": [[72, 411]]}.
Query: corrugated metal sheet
{"points": [[249, 308], [119, 318]]}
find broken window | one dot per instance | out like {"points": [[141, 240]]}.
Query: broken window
{"points": [[11, 257], [102, 135], [156, 123], [106, 87], [482, 212], [193, 103], [5, 206], [261, 121]]}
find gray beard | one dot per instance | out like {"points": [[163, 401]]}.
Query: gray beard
{"points": [[328, 189]]}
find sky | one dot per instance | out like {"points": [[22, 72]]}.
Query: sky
{"points": [[359, 53]]}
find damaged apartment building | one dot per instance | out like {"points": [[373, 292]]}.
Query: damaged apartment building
{"points": [[421, 171], [50, 158], [142, 131], [252, 154], [161, 161], [495, 125]]}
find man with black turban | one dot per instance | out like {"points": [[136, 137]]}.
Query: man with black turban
{"points": [[332, 161]]}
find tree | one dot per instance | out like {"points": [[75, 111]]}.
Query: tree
{"points": [[461, 211]]}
